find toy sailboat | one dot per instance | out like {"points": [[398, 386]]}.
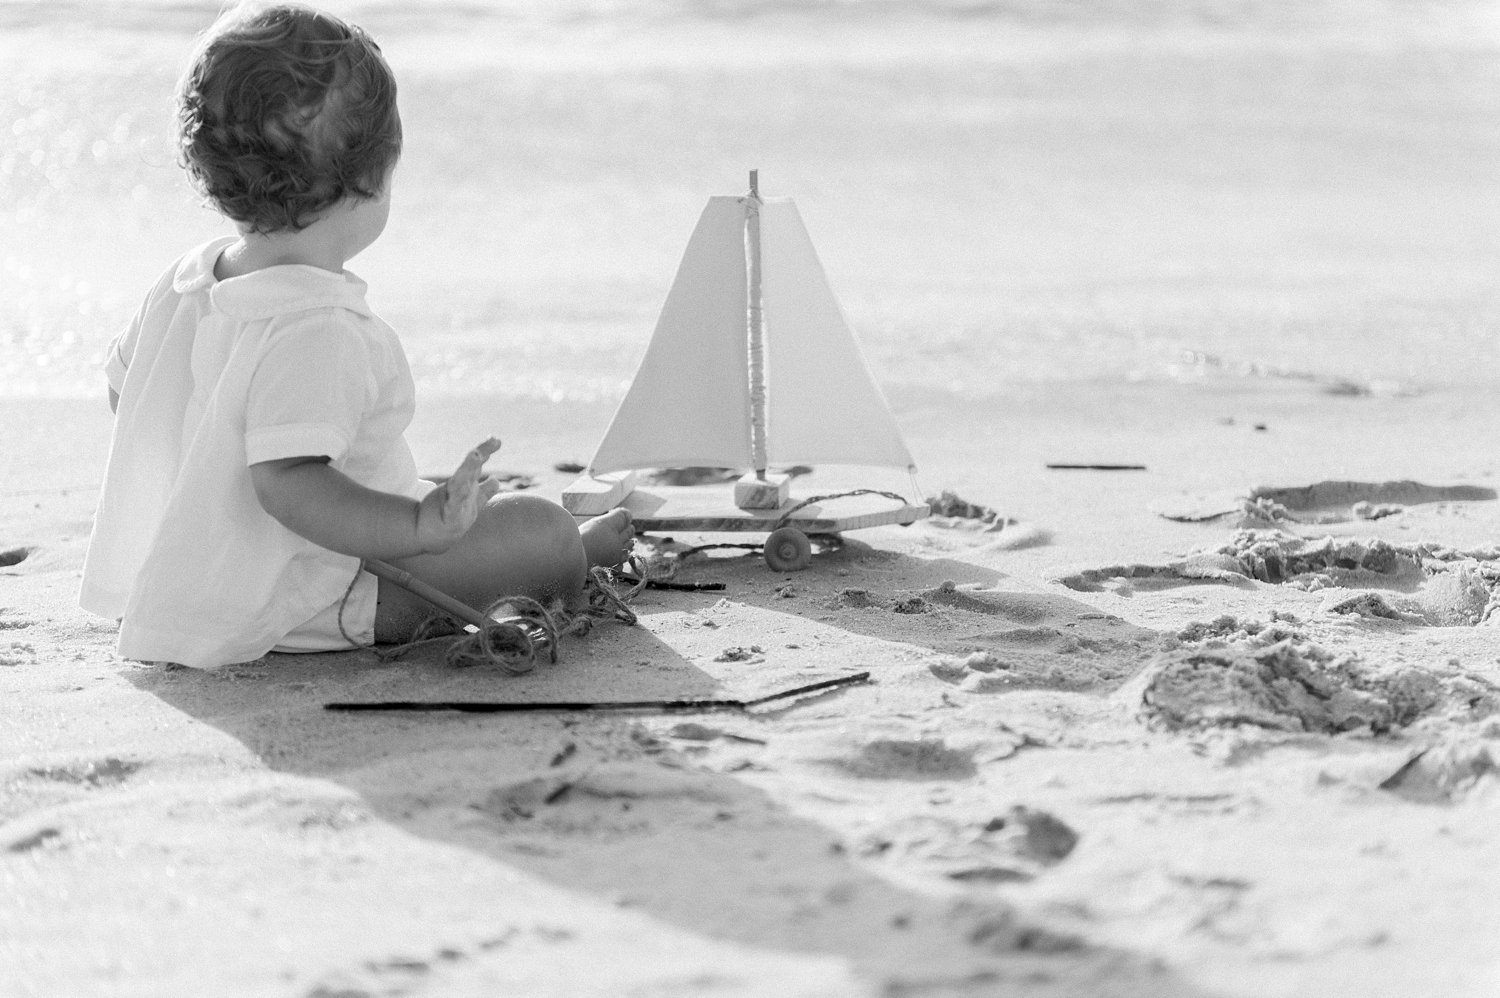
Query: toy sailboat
{"points": [[751, 364]]}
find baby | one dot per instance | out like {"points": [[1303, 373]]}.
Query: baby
{"points": [[260, 405]]}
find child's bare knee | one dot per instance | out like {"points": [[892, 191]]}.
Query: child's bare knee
{"points": [[522, 514], [537, 537]]}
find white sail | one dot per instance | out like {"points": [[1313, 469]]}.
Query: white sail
{"points": [[689, 404], [822, 407]]}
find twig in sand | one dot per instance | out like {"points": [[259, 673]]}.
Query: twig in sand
{"points": [[501, 707], [1395, 779], [1096, 467], [681, 587]]}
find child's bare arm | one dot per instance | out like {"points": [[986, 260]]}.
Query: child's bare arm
{"points": [[312, 499]]}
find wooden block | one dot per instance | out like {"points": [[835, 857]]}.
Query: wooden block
{"points": [[755, 492], [591, 495]]}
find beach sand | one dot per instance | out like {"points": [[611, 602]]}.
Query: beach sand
{"points": [[1117, 747], [1224, 726]]}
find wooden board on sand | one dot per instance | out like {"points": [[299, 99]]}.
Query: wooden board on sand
{"points": [[711, 509]]}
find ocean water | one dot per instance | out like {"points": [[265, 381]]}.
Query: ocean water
{"points": [[1003, 193]]}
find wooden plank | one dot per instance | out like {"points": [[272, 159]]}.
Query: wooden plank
{"points": [[711, 509], [592, 495], [769, 491]]}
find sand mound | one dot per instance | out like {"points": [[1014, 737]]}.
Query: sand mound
{"points": [[949, 507], [1448, 588], [1459, 597], [1272, 676], [1276, 556], [1020, 607]]}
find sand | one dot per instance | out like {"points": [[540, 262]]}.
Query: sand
{"points": [[1202, 729], [1222, 726]]}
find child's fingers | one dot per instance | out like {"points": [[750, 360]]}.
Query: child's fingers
{"points": [[474, 460], [472, 467]]}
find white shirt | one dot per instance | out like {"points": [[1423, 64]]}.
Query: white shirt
{"points": [[214, 376]]}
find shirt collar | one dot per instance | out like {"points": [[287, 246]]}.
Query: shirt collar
{"points": [[269, 292]]}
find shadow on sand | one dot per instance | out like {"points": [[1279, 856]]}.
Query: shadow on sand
{"points": [[597, 804]]}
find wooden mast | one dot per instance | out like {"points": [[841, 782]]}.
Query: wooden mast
{"points": [[755, 328], [755, 490]]}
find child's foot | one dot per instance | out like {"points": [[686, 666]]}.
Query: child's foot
{"points": [[607, 539]]}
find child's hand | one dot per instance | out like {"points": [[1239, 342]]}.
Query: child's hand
{"points": [[448, 511]]}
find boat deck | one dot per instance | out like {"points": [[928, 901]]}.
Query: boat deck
{"points": [[711, 508]]}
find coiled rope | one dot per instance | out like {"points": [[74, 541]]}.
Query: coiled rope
{"points": [[513, 629]]}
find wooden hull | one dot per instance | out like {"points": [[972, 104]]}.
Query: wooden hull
{"points": [[711, 509]]}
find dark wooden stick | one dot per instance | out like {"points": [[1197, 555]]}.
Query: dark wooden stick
{"points": [[507, 707], [1097, 467]]}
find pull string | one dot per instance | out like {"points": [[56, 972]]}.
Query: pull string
{"points": [[671, 570], [786, 517]]}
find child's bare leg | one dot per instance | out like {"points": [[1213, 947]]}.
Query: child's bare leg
{"points": [[607, 539], [521, 545]]}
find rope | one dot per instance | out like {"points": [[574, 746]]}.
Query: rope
{"points": [[513, 640], [516, 628], [782, 520]]}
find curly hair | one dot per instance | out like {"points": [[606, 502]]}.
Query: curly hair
{"points": [[283, 113]]}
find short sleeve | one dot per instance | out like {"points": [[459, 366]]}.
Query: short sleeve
{"points": [[310, 391], [122, 349]]}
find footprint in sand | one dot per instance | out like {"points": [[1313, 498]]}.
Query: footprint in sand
{"points": [[1425, 584], [990, 671], [1204, 568], [605, 801], [87, 774], [93, 773], [41, 838], [1342, 501], [897, 759], [1448, 587], [1321, 503], [17, 653], [995, 641], [1056, 643], [1013, 847]]}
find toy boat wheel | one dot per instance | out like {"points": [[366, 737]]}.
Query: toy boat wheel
{"points": [[787, 549]]}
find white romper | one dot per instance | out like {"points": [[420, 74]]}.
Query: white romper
{"points": [[214, 376]]}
